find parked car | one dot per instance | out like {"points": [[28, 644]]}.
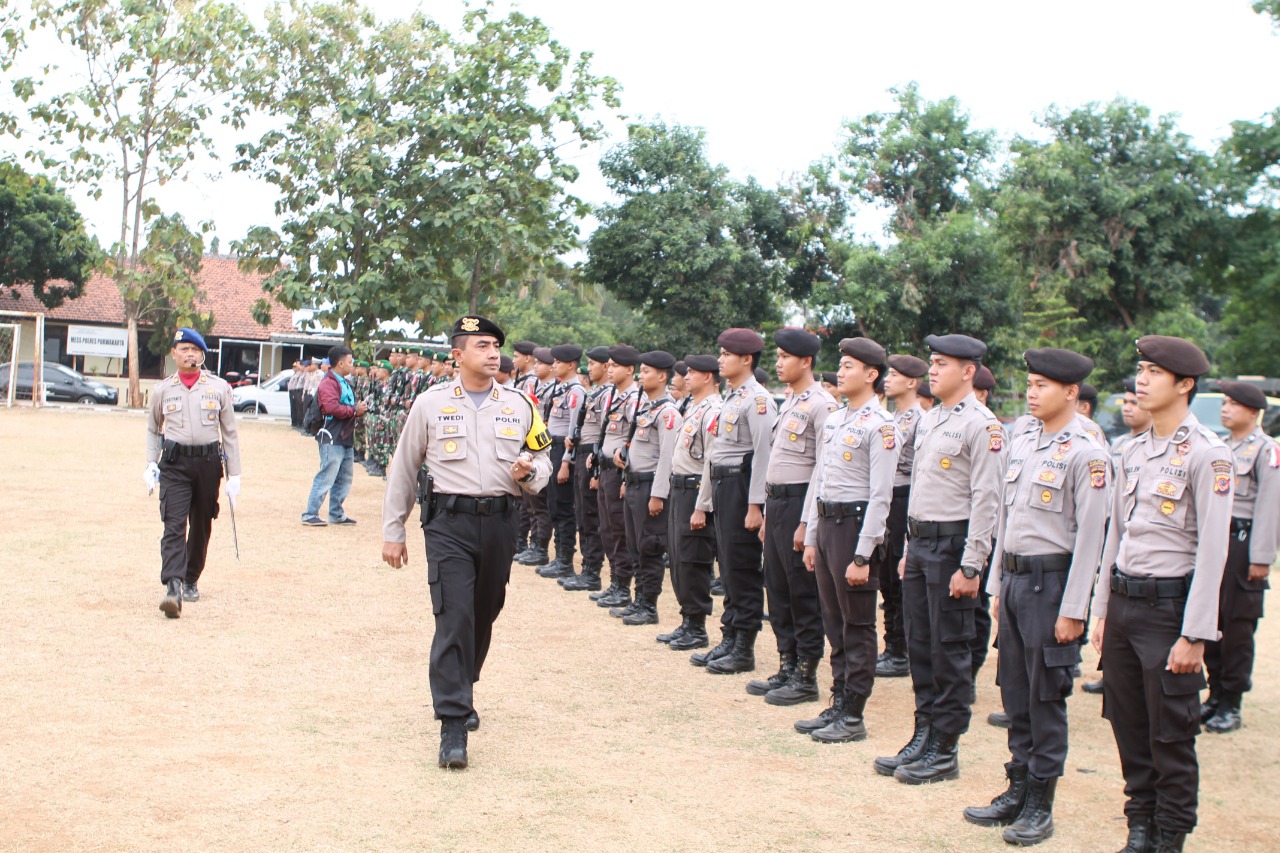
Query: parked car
{"points": [[269, 398], [1207, 407], [63, 385]]}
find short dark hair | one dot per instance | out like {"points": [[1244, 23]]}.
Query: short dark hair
{"points": [[881, 371], [1092, 404], [1195, 386], [755, 361], [338, 353]]}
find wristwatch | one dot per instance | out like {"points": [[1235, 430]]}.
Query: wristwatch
{"points": [[969, 572], [1192, 640], [860, 561]]}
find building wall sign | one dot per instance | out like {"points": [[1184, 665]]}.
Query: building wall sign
{"points": [[97, 340]]}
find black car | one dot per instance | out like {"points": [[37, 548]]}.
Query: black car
{"points": [[64, 385]]}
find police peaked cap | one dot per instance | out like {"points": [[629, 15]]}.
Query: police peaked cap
{"points": [[543, 354], [567, 353], [525, 347], [186, 335], [909, 366], [864, 350], [703, 363], [1181, 357], [624, 354], [659, 359], [740, 341], [598, 354], [798, 342], [957, 346], [473, 325], [1244, 394], [1060, 365], [984, 379]]}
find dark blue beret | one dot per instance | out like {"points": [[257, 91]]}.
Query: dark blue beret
{"points": [[185, 335]]}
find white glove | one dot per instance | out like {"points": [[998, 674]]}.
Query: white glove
{"points": [[233, 488], [151, 477]]}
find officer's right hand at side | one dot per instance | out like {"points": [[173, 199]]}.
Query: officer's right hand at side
{"points": [[151, 477], [362, 407], [395, 554]]}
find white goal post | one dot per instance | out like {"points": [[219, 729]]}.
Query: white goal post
{"points": [[37, 357]]}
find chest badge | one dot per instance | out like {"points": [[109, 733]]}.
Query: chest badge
{"points": [[451, 446], [945, 463], [507, 410], [1048, 476], [508, 431], [1167, 489], [848, 457], [793, 436], [1177, 460], [1167, 507], [449, 410], [1046, 497]]}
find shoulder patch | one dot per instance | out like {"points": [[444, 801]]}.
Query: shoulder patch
{"points": [[995, 438], [762, 404], [1273, 455], [1098, 473], [889, 436]]}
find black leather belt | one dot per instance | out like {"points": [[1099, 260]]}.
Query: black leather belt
{"points": [[629, 477], [838, 509], [1150, 588], [719, 472], [1238, 524], [1016, 564], [198, 449], [902, 491], [786, 490], [472, 506], [934, 529], [686, 481]]}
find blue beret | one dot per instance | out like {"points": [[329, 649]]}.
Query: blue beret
{"points": [[957, 346], [186, 335]]}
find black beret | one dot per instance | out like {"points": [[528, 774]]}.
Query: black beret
{"points": [[1060, 365], [797, 341], [1244, 393], [473, 325], [1182, 357], [830, 377], [761, 376], [567, 352], [506, 365], [660, 359], [909, 366], [525, 347], [740, 341], [1088, 392], [864, 350], [984, 379], [1131, 386], [703, 363], [957, 346], [543, 354], [923, 390], [681, 368], [600, 354], [627, 356]]}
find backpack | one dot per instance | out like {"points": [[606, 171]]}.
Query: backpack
{"points": [[312, 419]]}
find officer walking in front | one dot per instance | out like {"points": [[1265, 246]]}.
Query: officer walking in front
{"points": [[483, 444], [1048, 543], [191, 429], [1158, 603], [955, 495]]}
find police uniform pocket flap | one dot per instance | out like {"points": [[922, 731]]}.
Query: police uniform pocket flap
{"points": [[1170, 488], [1062, 655], [948, 447], [964, 602], [1181, 683]]}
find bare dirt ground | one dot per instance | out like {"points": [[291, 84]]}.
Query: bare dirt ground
{"points": [[289, 709]]}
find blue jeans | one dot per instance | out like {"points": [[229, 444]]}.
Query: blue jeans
{"points": [[333, 478]]}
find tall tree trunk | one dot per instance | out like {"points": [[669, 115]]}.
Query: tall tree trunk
{"points": [[475, 285], [135, 382]]}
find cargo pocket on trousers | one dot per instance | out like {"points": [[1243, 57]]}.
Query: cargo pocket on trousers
{"points": [[652, 546], [437, 592], [862, 607], [1056, 683], [956, 619], [1179, 706]]}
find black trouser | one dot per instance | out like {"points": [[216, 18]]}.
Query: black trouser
{"points": [[588, 511], [295, 407], [613, 526], [692, 552], [739, 551], [305, 404], [895, 637], [540, 529], [1035, 670], [1154, 713], [468, 567], [848, 612], [794, 612], [525, 523], [646, 538], [1230, 660], [940, 632], [981, 643], [560, 505], [188, 505]]}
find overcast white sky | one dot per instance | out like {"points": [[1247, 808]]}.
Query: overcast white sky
{"points": [[771, 82]]}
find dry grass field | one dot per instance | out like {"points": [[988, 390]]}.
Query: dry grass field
{"points": [[289, 709]]}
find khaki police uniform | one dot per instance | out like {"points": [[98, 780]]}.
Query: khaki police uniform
{"points": [[895, 635], [565, 401], [619, 414], [586, 462], [646, 535]]}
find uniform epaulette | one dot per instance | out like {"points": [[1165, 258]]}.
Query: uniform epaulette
{"points": [[440, 386], [1213, 438], [984, 410]]}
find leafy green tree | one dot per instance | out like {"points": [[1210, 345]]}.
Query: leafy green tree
{"points": [[1270, 8], [43, 242], [563, 315], [163, 285]]}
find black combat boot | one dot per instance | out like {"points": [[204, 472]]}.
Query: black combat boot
{"points": [[833, 712], [557, 568], [1226, 718], [596, 596], [588, 579], [802, 686], [849, 726], [621, 597], [1142, 836], [623, 610], [645, 613], [939, 762], [999, 719], [893, 664], [1007, 805], [171, 606], [727, 636], [189, 592], [453, 743], [694, 636], [473, 721], [909, 753], [535, 556], [741, 659], [717, 587], [1209, 706], [1035, 821], [1093, 687], [786, 666], [1168, 841], [676, 634]]}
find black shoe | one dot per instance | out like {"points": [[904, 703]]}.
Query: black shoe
{"points": [[717, 587], [741, 659], [1035, 821], [999, 719], [346, 519], [694, 636], [893, 666], [909, 753], [1007, 805], [557, 568], [621, 598], [536, 555], [676, 634], [833, 712], [1210, 705], [645, 613], [1167, 841], [849, 726], [802, 686], [453, 743], [1094, 687], [596, 596], [622, 611], [473, 721], [189, 592], [171, 606], [786, 666], [584, 581], [1142, 836], [725, 647], [1227, 716], [884, 655], [939, 762]]}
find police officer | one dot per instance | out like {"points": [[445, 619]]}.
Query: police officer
{"points": [[906, 372], [584, 446], [537, 503], [735, 469], [483, 445], [1255, 525], [190, 430], [679, 477], [565, 402], [1158, 605], [525, 382], [1048, 543], [846, 515], [653, 436], [619, 408], [794, 613], [955, 495]]}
